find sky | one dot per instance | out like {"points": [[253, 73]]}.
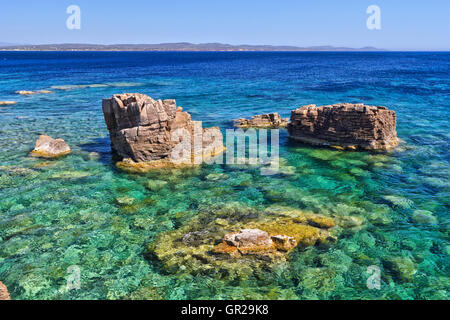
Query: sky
{"points": [[405, 24]]}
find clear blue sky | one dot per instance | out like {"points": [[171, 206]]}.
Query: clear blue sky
{"points": [[406, 24]]}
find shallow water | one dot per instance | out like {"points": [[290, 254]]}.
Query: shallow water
{"points": [[80, 210]]}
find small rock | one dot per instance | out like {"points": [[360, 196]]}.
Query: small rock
{"points": [[216, 176], [47, 147], [195, 238], [25, 92], [156, 185], [404, 268], [399, 202], [125, 201], [269, 120], [350, 221], [4, 294], [424, 216], [284, 243], [7, 102]]}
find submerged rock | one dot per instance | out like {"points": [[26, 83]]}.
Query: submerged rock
{"points": [[236, 240], [424, 216], [7, 102], [47, 147], [149, 134], [348, 126], [269, 120], [4, 294], [402, 267]]}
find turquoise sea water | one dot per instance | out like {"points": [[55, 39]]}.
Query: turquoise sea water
{"points": [[80, 210]]}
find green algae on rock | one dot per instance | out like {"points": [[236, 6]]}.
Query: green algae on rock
{"points": [[201, 246]]}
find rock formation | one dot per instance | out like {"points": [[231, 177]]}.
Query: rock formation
{"points": [[254, 241], [347, 126], [269, 120], [47, 147], [261, 239], [4, 294], [149, 133]]}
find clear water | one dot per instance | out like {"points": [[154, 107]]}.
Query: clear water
{"points": [[54, 214]]}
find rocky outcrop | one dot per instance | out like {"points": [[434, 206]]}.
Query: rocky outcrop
{"points": [[269, 120], [27, 93], [4, 294], [347, 126], [47, 147], [149, 133]]}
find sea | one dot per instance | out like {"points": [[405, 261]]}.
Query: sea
{"points": [[80, 228]]}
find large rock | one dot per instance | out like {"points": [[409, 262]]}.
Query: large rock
{"points": [[349, 126], [4, 294], [269, 120], [144, 132], [47, 147]]}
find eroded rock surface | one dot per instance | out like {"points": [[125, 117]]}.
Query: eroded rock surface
{"points": [[144, 132], [47, 147], [348, 126], [269, 120], [4, 294]]}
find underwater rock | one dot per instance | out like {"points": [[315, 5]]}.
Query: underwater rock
{"points": [[156, 185], [349, 126], [47, 147], [402, 267], [7, 102], [216, 176], [424, 216], [350, 221], [209, 243], [4, 294], [269, 120], [399, 202], [149, 134]]}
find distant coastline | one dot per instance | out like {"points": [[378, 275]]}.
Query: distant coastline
{"points": [[179, 46]]}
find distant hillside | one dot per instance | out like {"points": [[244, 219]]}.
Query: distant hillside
{"points": [[180, 46]]}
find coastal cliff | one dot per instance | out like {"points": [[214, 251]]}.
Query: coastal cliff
{"points": [[347, 126]]}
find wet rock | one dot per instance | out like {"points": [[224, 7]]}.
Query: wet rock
{"points": [[348, 126], [25, 92], [156, 185], [402, 267], [350, 221], [7, 102], [47, 147], [269, 120], [424, 217], [398, 202], [211, 243], [145, 132], [4, 294], [195, 237], [216, 176]]}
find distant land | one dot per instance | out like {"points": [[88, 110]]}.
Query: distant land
{"points": [[179, 46]]}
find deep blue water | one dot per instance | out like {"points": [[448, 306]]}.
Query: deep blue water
{"points": [[54, 214]]}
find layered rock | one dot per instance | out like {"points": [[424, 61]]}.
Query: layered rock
{"points": [[348, 126], [269, 120], [149, 133], [4, 294], [47, 147]]}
